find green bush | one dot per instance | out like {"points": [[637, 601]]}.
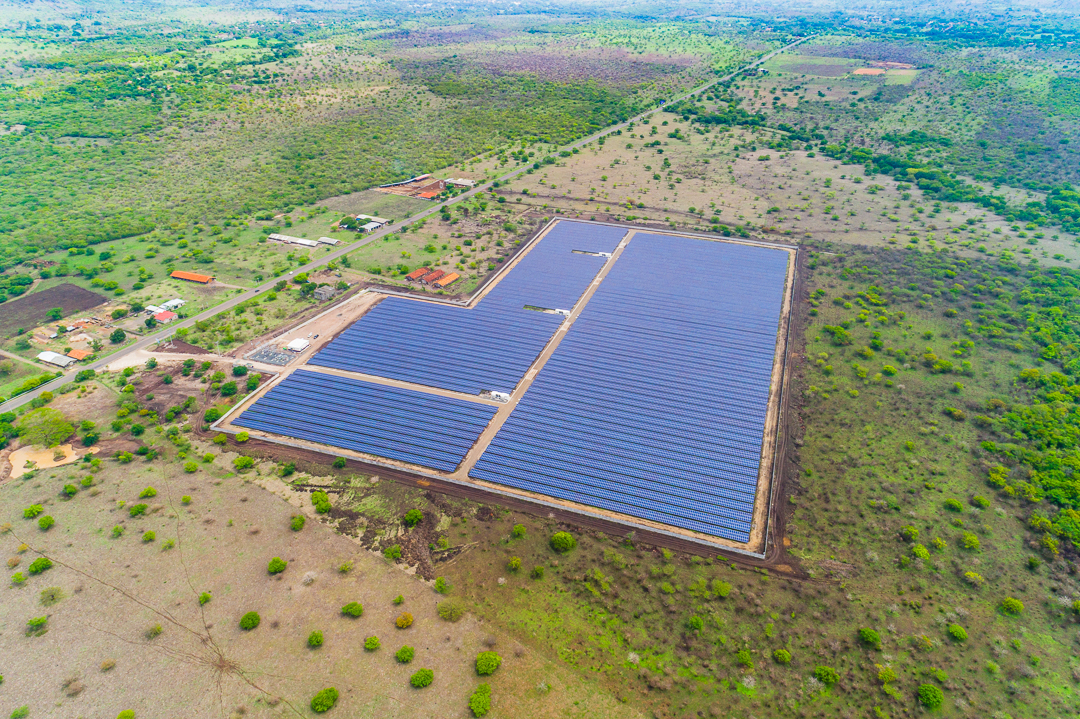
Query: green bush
{"points": [[32, 511], [18, 578], [136, 510], [321, 501], [315, 639], [399, 599], [451, 611], [537, 572], [339, 463], [186, 499], [45, 523], [277, 565], [782, 656], [70, 490], [827, 675], [147, 493], [422, 678], [1009, 605], [21, 713], [39, 565], [249, 621], [149, 536], [413, 517], [442, 586], [242, 463], [957, 632], [487, 663], [191, 467], [870, 638], [480, 701], [324, 701], [405, 654], [371, 644], [392, 552], [353, 609], [518, 531], [117, 532], [954, 505], [126, 714], [514, 564], [931, 696], [744, 658], [204, 598], [563, 542], [296, 523], [720, 588]]}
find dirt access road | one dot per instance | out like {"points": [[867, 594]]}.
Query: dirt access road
{"points": [[316, 264]]}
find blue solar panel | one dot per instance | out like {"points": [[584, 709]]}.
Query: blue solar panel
{"points": [[487, 347], [654, 403], [409, 426]]}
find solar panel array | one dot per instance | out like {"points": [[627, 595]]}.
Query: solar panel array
{"points": [[490, 346], [654, 403], [409, 426]]}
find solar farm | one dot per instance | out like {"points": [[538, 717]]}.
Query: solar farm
{"points": [[620, 373]]}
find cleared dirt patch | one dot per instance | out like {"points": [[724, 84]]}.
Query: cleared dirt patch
{"points": [[29, 311]]}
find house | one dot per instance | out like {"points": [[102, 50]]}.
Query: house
{"points": [[446, 281], [428, 279], [165, 317], [192, 277], [369, 227], [461, 182], [55, 358], [324, 293], [370, 223], [173, 305], [417, 274], [79, 355]]}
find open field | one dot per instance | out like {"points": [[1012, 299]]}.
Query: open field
{"points": [[27, 311]]}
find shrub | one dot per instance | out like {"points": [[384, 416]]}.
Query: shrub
{"points": [[1009, 605], [954, 505], [974, 579], [154, 631], [242, 437], [18, 578], [32, 511], [21, 713], [487, 663], [826, 675], [137, 509], [324, 701], [392, 552], [970, 541], [371, 644], [695, 623], [249, 621], [239, 370], [117, 532], [45, 523], [480, 701], [126, 714], [51, 596], [518, 531], [39, 565], [404, 621], [147, 493], [277, 565], [537, 572], [413, 517], [149, 536], [909, 533], [957, 632], [514, 564], [339, 463], [720, 588], [315, 639], [70, 490], [296, 523], [563, 542], [782, 656], [242, 463], [186, 499], [870, 638], [422, 678], [353, 609], [451, 611], [442, 586], [191, 467], [931, 696], [920, 551], [405, 654], [744, 658], [399, 600], [204, 598]]}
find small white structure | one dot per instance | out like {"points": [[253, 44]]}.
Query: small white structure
{"points": [[298, 345], [501, 396], [461, 182], [329, 241], [286, 239], [371, 223], [154, 310], [55, 359], [173, 305]]}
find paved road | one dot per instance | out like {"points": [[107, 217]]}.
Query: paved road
{"points": [[316, 264]]}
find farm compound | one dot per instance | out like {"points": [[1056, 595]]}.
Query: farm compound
{"points": [[622, 373]]}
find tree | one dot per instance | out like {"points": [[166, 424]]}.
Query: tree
{"points": [[45, 427], [118, 335], [55, 313], [6, 367], [563, 542], [150, 322]]}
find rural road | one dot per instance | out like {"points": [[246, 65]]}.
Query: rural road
{"points": [[316, 264]]}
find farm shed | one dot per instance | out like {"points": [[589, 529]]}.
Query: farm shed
{"points": [[166, 316], [446, 281], [417, 274], [428, 279], [288, 240], [191, 277], [55, 358], [328, 241]]}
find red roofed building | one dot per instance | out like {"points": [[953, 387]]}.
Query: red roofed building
{"points": [[192, 277], [79, 354], [165, 316], [417, 274]]}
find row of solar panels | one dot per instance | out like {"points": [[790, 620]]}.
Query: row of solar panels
{"points": [[654, 404], [405, 425], [488, 347]]}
